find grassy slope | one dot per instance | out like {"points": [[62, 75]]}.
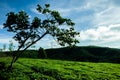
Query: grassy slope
{"points": [[45, 69]]}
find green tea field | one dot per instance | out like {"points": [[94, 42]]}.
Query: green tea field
{"points": [[46, 69]]}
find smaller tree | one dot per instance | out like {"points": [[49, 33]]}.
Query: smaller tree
{"points": [[1, 50], [11, 46], [4, 47], [41, 53]]}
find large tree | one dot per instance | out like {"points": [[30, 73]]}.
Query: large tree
{"points": [[27, 32]]}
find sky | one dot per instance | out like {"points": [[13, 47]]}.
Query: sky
{"points": [[98, 21]]}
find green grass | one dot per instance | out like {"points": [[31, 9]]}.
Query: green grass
{"points": [[45, 69]]}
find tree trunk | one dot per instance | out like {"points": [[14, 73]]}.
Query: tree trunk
{"points": [[30, 45], [11, 64], [17, 54]]}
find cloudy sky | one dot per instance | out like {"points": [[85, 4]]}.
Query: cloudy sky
{"points": [[98, 21]]}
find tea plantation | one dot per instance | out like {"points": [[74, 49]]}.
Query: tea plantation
{"points": [[48, 69]]}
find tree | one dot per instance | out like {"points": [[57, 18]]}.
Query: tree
{"points": [[28, 33], [11, 46], [4, 47], [42, 53]]}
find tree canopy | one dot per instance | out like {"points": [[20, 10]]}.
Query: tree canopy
{"points": [[27, 33]]}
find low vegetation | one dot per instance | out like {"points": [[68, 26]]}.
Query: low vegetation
{"points": [[46, 69], [79, 63]]}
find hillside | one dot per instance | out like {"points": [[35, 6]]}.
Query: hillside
{"points": [[46, 69], [85, 54], [88, 53]]}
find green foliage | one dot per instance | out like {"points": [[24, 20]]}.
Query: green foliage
{"points": [[2, 65], [39, 69], [2, 54], [27, 33], [41, 53], [30, 54]]}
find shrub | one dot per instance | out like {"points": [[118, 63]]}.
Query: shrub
{"points": [[41, 53]]}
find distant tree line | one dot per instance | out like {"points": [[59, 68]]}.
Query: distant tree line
{"points": [[85, 54]]}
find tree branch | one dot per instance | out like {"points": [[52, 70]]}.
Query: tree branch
{"points": [[14, 55], [30, 45]]}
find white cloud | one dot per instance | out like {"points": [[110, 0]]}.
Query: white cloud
{"points": [[107, 16], [64, 11], [104, 12], [6, 41], [102, 33], [101, 16], [106, 24], [53, 44], [6, 37], [70, 10]]}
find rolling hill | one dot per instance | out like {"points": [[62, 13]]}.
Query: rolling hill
{"points": [[88, 53], [83, 53]]}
